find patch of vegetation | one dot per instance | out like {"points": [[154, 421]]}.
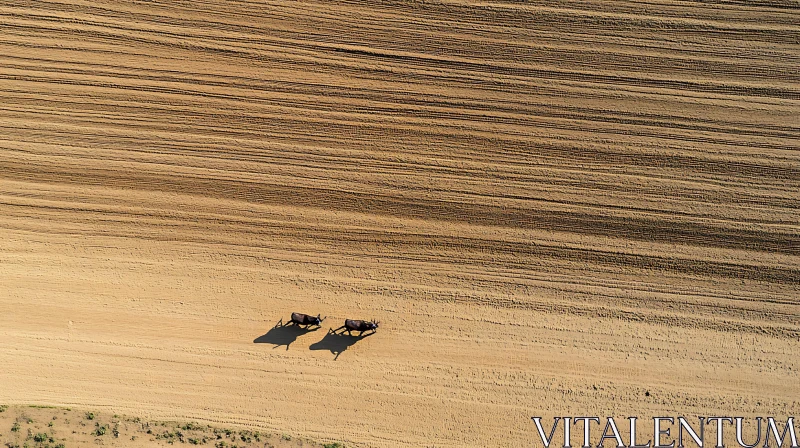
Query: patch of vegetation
{"points": [[94, 426], [171, 437], [191, 426], [100, 430], [41, 437], [249, 436], [219, 432]]}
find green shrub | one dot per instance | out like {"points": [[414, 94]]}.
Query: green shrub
{"points": [[40, 437], [15, 427], [165, 435], [333, 445], [191, 426], [100, 430], [246, 436], [90, 416]]}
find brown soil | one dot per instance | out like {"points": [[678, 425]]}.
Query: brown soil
{"points": [[553, 208]]}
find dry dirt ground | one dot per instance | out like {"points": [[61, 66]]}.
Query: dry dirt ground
{"points": [[578, 207]]}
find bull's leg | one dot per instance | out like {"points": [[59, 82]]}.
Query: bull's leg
{"points": [[360, 333]]}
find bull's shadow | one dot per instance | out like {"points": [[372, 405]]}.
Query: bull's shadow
{"points": [[283, 334], [337, 342]]}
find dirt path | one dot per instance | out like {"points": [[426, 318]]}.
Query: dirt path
{"points": [[560, 208]]}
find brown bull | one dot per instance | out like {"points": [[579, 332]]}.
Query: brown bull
{"points": [[358, 325], [305, 319]]}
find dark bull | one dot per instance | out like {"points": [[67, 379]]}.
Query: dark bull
{"points": [[305, 319], [358, 325]]}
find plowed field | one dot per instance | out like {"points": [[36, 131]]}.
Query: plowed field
{"points": [[553, 208]]}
